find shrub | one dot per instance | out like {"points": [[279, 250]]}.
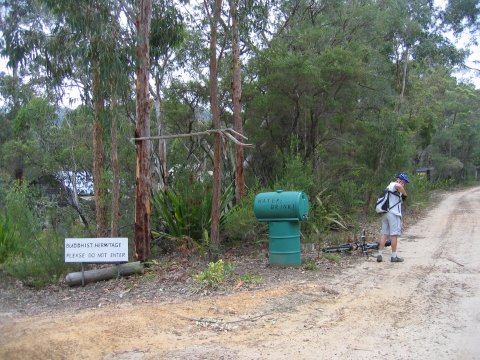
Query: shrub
{"points": [[311, 265], [34, 256], [9, 242], [215, 274], [248, 278], [331, 257], [324, 216], [297, 176], [43, 262], [186, 214], [240, 223]]}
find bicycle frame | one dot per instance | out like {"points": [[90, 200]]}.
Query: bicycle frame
{"points": [[362, 244]]}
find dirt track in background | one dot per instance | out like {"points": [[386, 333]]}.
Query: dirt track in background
{"points": [[425, 308]]}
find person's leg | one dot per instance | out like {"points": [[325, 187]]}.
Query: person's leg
{"points": [[393, 239], [383, 239], [384, 236], [397, 230]]}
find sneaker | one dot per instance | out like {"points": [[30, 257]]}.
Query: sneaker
{"points": [[379, 258], [396, 259]]}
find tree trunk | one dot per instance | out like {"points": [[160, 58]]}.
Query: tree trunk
{"points": [[98, 155], [79, 278], [73, 194], [18, 163], [162, 144], [215, 224], [142, 178], [404, 72], [237, 105], [116, 174]]}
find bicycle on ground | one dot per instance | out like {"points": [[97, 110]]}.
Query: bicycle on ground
{"points": [[361, 244]]}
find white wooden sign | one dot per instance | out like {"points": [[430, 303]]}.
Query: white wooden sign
{"points": [[90, 250]]}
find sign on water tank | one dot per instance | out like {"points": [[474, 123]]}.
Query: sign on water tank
{"points": [[91, 250]]}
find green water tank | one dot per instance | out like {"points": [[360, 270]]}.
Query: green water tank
{"points": [[281, 206], [284, 243], [283, 210]]}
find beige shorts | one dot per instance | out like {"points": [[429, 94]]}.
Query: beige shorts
{"points": [[391, 224]]}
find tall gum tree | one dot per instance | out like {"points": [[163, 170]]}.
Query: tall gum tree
{"points": [[167, 34], [143, 179], [86, 47], [214, 18], [236, 100]]}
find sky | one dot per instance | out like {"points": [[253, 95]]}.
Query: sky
{"points": [[473, 61]]}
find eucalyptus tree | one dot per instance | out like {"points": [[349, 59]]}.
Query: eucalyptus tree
{"points": [[407, 23], [463, 15], [21, 26], [455, 146], [166, 38], [335, 70], [71, 158], [463, 18], [101, 58], [236, 100], [143, 178], [91, 29], [15, 94], [32, 139], [311, 77], [214, 19], [247, 24]]}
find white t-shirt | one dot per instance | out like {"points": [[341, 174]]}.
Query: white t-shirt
{"points": [[394, 199]]}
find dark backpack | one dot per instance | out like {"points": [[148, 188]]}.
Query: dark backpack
{"points": [[382, 205]]}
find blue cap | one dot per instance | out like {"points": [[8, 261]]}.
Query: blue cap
{"points": [[403, 177]]}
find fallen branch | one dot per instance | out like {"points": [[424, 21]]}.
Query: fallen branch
{"points": [[80, 278], [450, 259], [217, 321]]}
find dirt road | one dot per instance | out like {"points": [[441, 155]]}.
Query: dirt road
{"points": [[425, 308]]}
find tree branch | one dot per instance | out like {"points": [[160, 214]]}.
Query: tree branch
{"points": [[224, 132]]}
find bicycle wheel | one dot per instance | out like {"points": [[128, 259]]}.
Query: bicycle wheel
{"points": [[338, 248]]}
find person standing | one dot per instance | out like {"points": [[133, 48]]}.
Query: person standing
{"points": [[392, 219]]}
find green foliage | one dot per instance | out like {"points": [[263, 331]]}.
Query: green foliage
{"points": [[169, 207], [322, 104], [296, 176], [240, 224], [461, 14], [324, 216], [10, 246], [31, 254], [310, 265], [333, 257], [43, 262], [167, 30], [418, 191], [215, 275], [248, 278], [19, 204], [38, 115], [189, 214], [347, 192]]}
